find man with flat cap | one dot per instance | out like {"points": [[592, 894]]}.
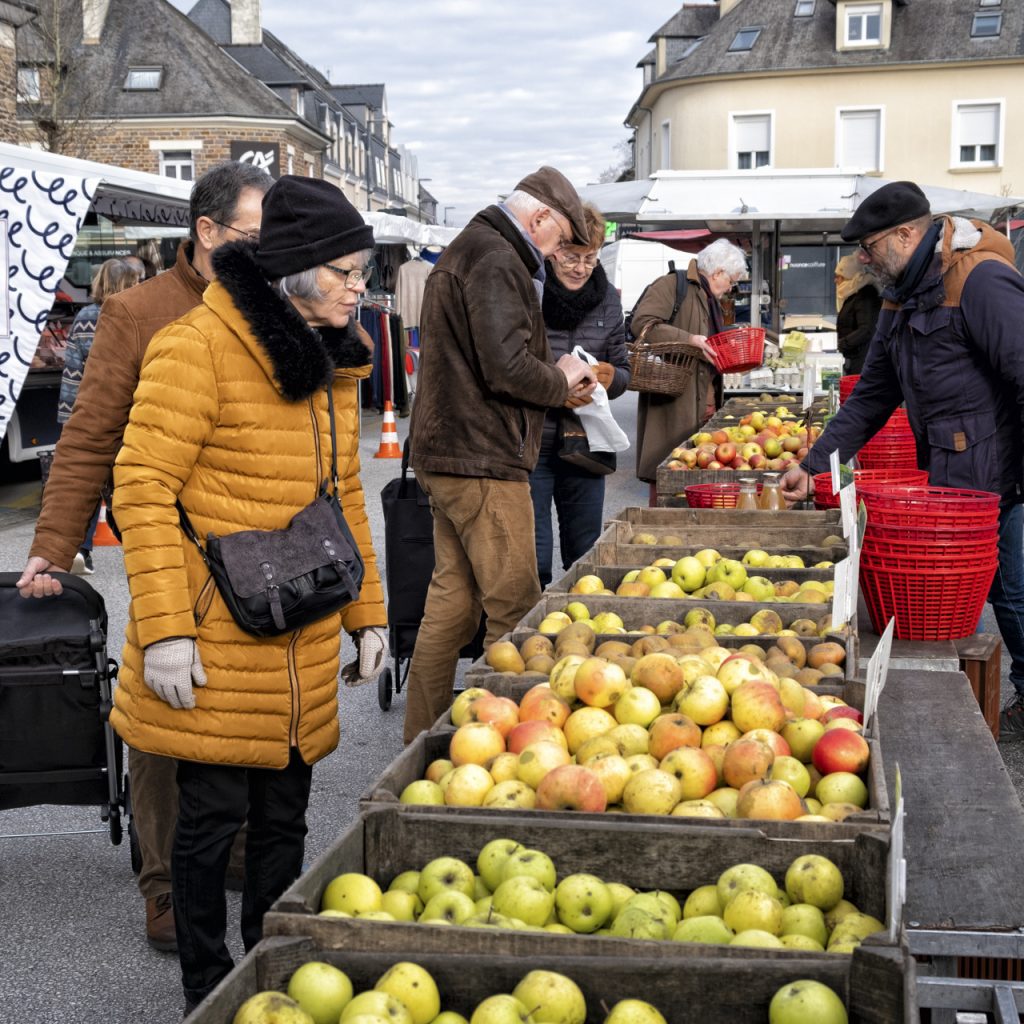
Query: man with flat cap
{"points": [[486, 379], [949, 344]]}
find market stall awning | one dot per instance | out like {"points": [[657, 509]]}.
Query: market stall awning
{"points": [[390, 229]]}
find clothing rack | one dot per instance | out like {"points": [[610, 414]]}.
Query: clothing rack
{"points": [[387, 381]]}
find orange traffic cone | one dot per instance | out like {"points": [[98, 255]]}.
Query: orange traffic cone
{"points": [[389, 446], [104, 537]]}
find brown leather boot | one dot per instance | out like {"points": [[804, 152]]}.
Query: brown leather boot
{"points": [[160, 932]]}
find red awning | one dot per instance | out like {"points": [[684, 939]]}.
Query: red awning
{"points": [[668, 237]]}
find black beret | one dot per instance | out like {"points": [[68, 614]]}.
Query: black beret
{"points": [[892, 204], [555, 190], [307, 222]]}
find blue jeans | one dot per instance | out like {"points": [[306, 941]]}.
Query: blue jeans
{"points": [[579, 502], [1007, 593], [87, 543]]}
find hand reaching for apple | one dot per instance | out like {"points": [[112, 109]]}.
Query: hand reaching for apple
{"points": [[796, 484]]}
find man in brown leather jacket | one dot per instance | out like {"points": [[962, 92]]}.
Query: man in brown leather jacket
{"points": [[486, 380], [225, 206]]}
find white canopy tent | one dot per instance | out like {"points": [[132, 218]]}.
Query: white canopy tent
{"points": [[390, 229]]}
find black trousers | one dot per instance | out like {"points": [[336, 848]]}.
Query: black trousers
{"points": [[214, 801]]}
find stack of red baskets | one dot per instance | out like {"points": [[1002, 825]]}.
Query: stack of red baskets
{"points": [[846, 386], [892, 447], [929, 557], [825, 497]]}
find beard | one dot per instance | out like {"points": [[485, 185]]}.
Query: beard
{"points": [[886, 268]]}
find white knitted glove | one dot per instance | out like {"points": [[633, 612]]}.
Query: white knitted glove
{"points": [[372, 645], [171, 667]]}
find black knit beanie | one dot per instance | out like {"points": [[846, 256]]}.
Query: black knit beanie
{"points": [[307, 222]]}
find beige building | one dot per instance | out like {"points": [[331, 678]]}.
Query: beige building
{"points": [[928, 90]]}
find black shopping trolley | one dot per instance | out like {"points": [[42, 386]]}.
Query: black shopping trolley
{"points": [[56, 742], [408, 566]]}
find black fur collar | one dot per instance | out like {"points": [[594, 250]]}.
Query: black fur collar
{"points": [[565, 309], [304, 357]]}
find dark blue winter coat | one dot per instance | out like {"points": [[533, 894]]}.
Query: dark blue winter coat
{"points": [[954, 353]]}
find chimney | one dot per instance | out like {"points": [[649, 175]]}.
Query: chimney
{"points": [[725, 6], [245, 23], [94, 16]]}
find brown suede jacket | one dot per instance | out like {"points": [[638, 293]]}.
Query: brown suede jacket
{"points": [[486, 374], [92, 437]]}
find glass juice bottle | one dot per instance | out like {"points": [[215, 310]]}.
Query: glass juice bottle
{"points": [[771, 499], [747, 498]]}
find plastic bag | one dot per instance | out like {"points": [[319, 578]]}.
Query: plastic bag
{"points": [[603, 433]]}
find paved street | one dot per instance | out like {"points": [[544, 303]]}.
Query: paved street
{"points": [[72, 944]]}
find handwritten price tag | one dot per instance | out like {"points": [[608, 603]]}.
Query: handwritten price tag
{"points": [[896, 880], [833, 464], [877, 671], [841, 594], [848, 509]]}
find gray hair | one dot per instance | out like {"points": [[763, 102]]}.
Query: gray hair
{"points": [[722, 255], [523, 203], [305, 284]]}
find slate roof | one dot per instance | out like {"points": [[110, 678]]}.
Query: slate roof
{"points": [[923, 32], [360, 95], [197, 79]]}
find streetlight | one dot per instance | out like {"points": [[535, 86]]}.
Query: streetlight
{"points": [[446, 209]]}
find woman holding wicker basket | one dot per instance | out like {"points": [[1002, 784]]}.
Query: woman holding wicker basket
{"points": [[664, 420]]}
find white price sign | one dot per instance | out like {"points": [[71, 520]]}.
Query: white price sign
{"points": [[877, 671], [841, 594], [809, 379], [833, 465], [896, 880], [848, 510]]}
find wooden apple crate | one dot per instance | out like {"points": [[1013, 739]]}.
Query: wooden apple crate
{"points": [[387, 840], [411, 764], [876, 982], [673, 520]]}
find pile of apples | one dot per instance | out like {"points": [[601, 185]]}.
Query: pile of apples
{"points": [[709, 733], [760, 441], [516, 887], [320, 993]]}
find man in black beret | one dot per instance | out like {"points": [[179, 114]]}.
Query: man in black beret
{"points": [[949, 345], [486, 380]]}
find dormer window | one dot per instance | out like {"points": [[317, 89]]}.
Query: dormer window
{"points": [[744, 40], [28, 85], [986, 24], [863, 24], [803, 9], [143, 79]]}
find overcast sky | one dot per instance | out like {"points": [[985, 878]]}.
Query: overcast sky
{"points": [[485, 91]]}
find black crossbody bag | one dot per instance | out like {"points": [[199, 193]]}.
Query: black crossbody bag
{"points": [[277, 581]]}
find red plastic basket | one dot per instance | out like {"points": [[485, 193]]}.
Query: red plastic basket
{"points": [[946, 554], [919, 507], [883, 532], [886, 457], [825, 497], [927, 605], [846, 386], [713, 495], [737, 350]]}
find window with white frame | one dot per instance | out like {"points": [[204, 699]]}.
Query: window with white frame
{"points": [[666, 145], [178, 164], [976, 139], [860, 139], [863, 24], [143, 79], [28, 85], [744, 40], [986, 23], [752, 134], [804, 8]]}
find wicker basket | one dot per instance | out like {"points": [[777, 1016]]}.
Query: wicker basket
{"points": [[660, 367]]}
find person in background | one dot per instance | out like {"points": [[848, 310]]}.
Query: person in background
{"points": [[858, 302], [948, 344], [581, 307], [113, 276], [664, 422], [225, 206], [232, 421], [486, 377]]}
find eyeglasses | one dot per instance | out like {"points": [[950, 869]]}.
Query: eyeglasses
{"points": [[571, 260], [249, 236], [868, 248], [354, 276]]}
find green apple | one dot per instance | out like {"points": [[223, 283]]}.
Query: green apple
{"points": [[669, 589], [739, 877], [409, 881], [756, 558], [401, 905], [321, 990], [804, 919], [271, 1005], [577, 610], [501, 1009], [842, 910], [689, 573], [703, 928], [637, 706], [380, 1004], [352, 892], [790, 770], [656, 899], [336, 913], [802, 734], [414, 987], [794, 940], [842, 788], [491, 860], [449, 905], [526, 898], [445, 873], [552, 998], [450, 1017], [855, 926], [707, 557], [702, 902], [651, 576], [422, 791], [758, 939], [806, 1002], [816, 880], [751, 909], [375, 915], [620, 894], [583, 902], [637, 923], [605, 622], [634, 1011], [530, 863], [759, 588], [730, 571]]}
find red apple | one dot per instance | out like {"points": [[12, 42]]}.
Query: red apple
{"points": [[571, 787], [841, 750], [725, 453], [542, 703], [770, 799], [533, 731], [501, 712], [842, 711], [746, 760]]}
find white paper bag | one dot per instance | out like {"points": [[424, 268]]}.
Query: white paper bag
{"points": [[603, 433]]}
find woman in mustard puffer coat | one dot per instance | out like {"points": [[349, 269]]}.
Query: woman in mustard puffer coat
{"points": [[231, 419]]}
